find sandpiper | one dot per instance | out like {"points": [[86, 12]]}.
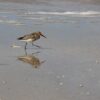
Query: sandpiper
{"points": [[31, 38]]}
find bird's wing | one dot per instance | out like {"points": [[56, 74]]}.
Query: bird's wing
{"points": [[35, 36], [25, 37]]}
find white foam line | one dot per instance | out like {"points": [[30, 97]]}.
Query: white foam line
{"points": [[87, 13], [11, 22], [34, 18]]}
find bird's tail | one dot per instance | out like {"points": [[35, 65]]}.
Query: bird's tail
{"points": [[20, 38]]}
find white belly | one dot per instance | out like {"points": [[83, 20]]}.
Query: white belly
{"points": [[28, 40]]}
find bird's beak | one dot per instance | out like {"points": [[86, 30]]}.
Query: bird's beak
{"points": [[43, 36]]}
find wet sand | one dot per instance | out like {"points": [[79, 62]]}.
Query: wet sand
{"points": [[47, 1], [71, 55]]}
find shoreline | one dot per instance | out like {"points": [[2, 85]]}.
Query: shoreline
{"points": [[91, 2]]}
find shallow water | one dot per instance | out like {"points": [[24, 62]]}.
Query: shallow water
{"points": [[71, 52]]}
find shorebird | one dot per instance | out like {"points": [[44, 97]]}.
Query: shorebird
{"points": [[31, 38]]}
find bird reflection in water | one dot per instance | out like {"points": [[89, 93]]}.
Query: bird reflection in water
{"points": [[31, 59]]}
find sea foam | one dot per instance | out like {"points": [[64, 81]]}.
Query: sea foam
{"points": [[72, 13]]}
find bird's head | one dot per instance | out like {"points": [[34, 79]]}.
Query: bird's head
{"points": [[41, 34]]}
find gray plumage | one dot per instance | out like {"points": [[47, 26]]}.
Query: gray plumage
{"points": [[31, 38], [34, 36]]}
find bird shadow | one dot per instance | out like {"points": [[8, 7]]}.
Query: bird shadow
{"points": [[31, 59]]}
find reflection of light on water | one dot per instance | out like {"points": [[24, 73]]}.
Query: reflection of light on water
{"points": [[5, 12], [59, 79], [11, 21], [1, 21], [59, 21], [14, 22], [34, 18], [15, 46], [61, 83], [18, 24]]}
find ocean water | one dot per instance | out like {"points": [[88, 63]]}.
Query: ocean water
{"points": [[67, 67]]}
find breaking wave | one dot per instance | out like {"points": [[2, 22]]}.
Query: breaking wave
{"points": [[72, 13]]}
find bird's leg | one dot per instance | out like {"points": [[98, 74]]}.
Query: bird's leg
{"points": [[36, 45], [25, 52], [25, 46], [32, 44]]}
